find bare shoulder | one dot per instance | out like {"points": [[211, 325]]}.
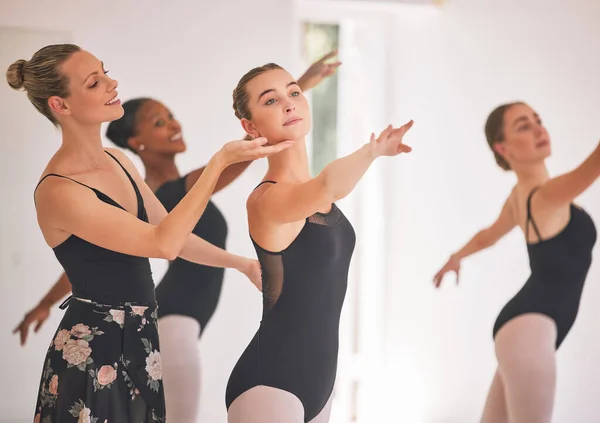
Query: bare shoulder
{"points": [[253, 201], [120, 156]]}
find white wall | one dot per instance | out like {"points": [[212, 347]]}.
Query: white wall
{"points": [[189, 55], [448, 68]]}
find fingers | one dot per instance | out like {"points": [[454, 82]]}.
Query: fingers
{"points": [[272, 149], [257, 142], [386, 132], [39, 325], [328, 56], [24, 332], [438, 278], [372, 137], [403, 148]]}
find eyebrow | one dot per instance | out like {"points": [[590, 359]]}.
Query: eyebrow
{"points": [[93, 73], [273, 89], [524, 119]]}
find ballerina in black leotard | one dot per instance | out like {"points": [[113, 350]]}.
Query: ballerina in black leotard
{"points": [[560, 237], [304, 244], [188, 293], [103, 223]]}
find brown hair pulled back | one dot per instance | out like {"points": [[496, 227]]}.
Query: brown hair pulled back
{"points": [[494, 131], [241, 96]]}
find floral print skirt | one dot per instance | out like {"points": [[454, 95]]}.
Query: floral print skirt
{"points": [[103, 366]]}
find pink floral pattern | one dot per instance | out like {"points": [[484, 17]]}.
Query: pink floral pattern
{"points": [[77, 352], [106, 375], [80, 330], [61, 339], [53, 387], [77, 358]]}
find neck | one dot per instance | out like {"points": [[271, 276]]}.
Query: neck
{"points": [[84, 147], [532, 175], [160, 169], [291, 165]]}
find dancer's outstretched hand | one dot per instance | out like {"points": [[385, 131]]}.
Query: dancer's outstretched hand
{"points": [[389, 142], [243, 150], [318, 71], [453, 265], [36, 316]]}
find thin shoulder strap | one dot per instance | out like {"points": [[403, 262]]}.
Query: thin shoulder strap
{"points": [[530, 217], [64, 177], [265, 182], [124, 170], [138, 194]]}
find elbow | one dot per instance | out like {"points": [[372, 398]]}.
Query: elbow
{"points": [[169, 254], [166, 250]]}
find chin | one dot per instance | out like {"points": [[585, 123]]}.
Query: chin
{"points": [[115, 114], [295, 132]]}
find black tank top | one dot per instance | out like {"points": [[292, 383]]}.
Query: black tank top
{"points": [[103, 275], [191, 289]]}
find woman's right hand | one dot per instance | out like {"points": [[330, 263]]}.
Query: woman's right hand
{"points": [[243, 151], [38, 316], [389, 142], [453, 265]]}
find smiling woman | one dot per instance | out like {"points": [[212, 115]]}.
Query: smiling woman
{"points": [[103, 222]]}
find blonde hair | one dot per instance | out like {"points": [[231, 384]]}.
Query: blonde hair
{"points": [[41, 77]]}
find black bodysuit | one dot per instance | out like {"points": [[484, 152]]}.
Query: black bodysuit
{"points": [[559, 266], [296, 346], [188, 288], [104, 358]]}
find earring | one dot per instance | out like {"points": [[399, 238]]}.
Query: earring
{"points": [[142, 147]]}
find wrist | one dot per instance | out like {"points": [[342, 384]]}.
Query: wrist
{"points": [[46, 302], [369, 151], [242, 264], [219, 161]]}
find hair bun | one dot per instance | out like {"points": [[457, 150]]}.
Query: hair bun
{"points": [[15, 74]]}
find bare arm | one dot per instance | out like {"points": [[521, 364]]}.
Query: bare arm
{"points": [[490, 235], [195, 249], [230, 174], [483, 239], [59, 290], [66, 206], [565, 188], [75, 210], [334, 182], [41, 312]]}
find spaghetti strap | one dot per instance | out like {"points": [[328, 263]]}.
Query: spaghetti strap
{"points": [[64, 177], [138, 194], [530, 217], [265, 182]]}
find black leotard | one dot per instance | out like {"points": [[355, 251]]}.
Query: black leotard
{"points": [[559, 266], [188, 288], [296, 346], [102, 275], [109, 323]]}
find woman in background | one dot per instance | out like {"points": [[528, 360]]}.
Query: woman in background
{"points": [[560, 237]]}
